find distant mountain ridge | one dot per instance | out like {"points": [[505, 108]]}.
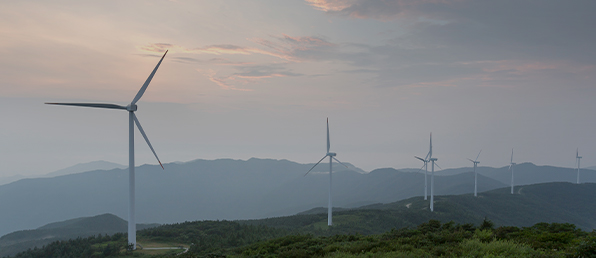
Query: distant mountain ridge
{"points": [[229, 189], [78, 168], [528, 173], [84, 167], [209, 189]]}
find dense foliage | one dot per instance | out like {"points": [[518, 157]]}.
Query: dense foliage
{"points": [[94, 246], [211, 236], [430, 239], [436, 239]]}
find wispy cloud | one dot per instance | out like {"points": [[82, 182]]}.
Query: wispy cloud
{"points": [[247, 74], [220, 81], [330, 5], [283, 47], [379, 9], [224, 61], [290, 49], [223, 49]]}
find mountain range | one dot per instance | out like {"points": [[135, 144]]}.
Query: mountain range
{"points": [[230, 189], [78, 168]]}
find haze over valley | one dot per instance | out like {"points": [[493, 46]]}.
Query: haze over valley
{"points": [[238, 189]]}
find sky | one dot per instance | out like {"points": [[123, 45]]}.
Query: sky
{"points": [[259, 79]]}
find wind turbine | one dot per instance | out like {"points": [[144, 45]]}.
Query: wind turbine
{"points": [[425, 166], [132, 120], [432, 177], [577, 160], [331, 156], [475, 174], [511, 165]]}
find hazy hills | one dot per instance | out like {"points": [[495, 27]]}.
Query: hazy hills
{"points": [[18, 241], [547, 202], [78, 168], [209, 189], [84, 167], [236, 189], [354, 190], [528, 173]]}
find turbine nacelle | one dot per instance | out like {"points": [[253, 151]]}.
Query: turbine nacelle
{"points": [[433, 159], [131, 108], [331, 154]]}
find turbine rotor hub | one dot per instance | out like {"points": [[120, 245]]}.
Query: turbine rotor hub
{"points": [[131, 108]]}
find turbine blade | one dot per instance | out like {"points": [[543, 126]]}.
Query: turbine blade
{"points": [[146, 139], [478, 155], [577, 153], [511, 155], [328, 142], [421, 168], [340, 162], [438, 166], [510, 166], [315, 165], [93, 105], [430, 149], [142, 90], [472, 161], [421, 159]]}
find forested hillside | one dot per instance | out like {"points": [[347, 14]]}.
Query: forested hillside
{"points": [[429, 239]]}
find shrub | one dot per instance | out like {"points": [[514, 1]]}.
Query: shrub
{"points": [[484, 236]]}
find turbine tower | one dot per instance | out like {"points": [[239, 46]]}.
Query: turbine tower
{"points": [[511, 165], [331, 156], [132, 120], [432, 185], [475, 174], [577, 160], [425, 166]]}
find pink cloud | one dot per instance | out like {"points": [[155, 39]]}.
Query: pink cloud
{"points": [[221, 81], [213, 49], [379, 9], [292, 49], [284, 47], [330, 5]]}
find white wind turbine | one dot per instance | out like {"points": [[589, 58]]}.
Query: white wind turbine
{"points": [[577, 160], [132, 120], [476, 174], [432, 176], [425, 166], [511, 165], [331, 156]]}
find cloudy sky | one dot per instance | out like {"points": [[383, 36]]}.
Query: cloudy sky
{"points": [[259, 78]]}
